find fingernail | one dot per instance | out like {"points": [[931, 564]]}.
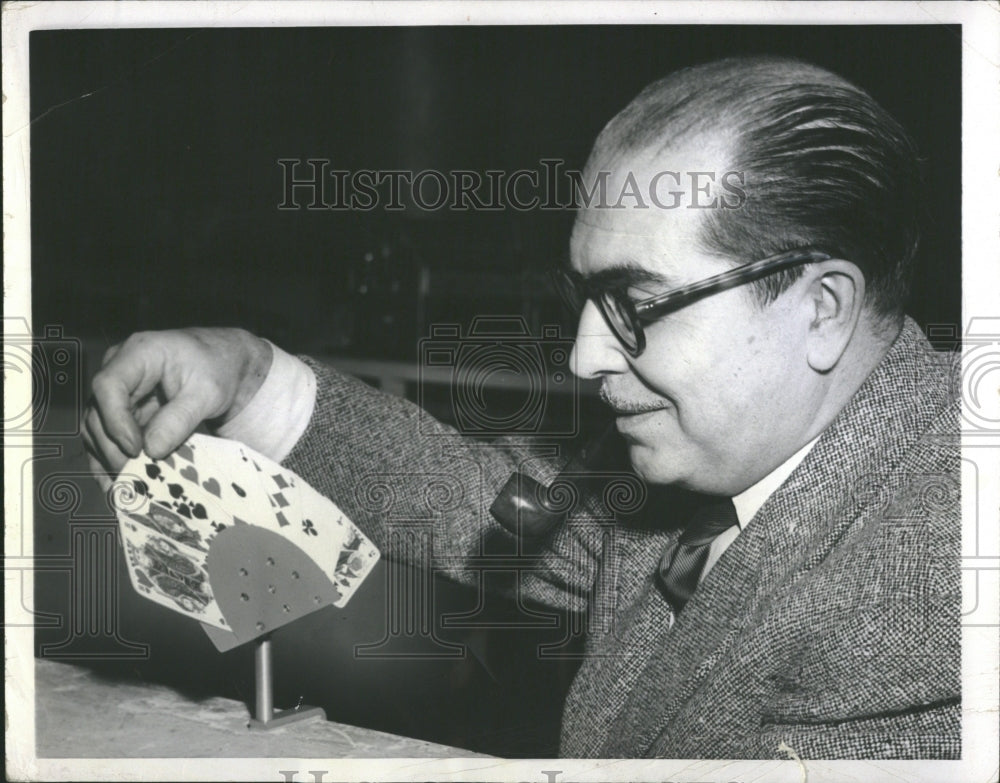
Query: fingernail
{"points": [[156, 444]]}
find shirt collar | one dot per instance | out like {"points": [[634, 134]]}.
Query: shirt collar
{"points": [[749, 501]]}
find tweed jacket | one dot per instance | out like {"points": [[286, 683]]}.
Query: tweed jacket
{"points": [[828, 629]]}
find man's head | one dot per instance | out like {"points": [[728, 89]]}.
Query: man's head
{"points": [[732, 385]]}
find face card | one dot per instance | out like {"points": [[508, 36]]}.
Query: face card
{"points": [[356, 560], [162, 520], [171, 487], [208, 484], [169, 573]]}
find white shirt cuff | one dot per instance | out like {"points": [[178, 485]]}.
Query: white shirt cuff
{"points": [[277, 415]]}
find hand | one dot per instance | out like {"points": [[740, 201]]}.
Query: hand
{"points": [[153, 391]]}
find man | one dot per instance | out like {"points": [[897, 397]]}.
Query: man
{"points": [[805, 598]]}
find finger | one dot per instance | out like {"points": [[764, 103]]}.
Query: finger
{"points": [[88, 446], [143, 412], [101, 446], [125, 377], [88, 439], [172, 424], [109, 354], [103, 479], [97, 467]]}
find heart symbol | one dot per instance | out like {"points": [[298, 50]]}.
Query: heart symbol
{"points": [[185, 451], [189, 473], [213, 486]]}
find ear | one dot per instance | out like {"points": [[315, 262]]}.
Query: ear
{"points": [[836, 295]]}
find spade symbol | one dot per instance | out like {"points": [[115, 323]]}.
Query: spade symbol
{"points": [[153, 471], [176, 490], [141, 487], [199, 511]]}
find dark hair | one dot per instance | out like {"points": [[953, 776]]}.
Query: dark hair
{"points": [[824, 166]]}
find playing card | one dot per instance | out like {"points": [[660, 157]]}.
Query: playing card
{"points": [[305, 517], [162, 520], [208, 484], [229, 473], [169, 573], [357, 558], [272, 497], [318, 527], [281, 488], [175, 487]]}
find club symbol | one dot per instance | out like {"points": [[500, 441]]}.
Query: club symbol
{"points": [[308, 528]]}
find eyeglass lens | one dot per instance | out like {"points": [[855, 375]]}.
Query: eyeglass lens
{"points": [[619, 319]]}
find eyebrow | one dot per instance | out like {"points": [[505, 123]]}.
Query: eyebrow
{"points": [[628, 275]]}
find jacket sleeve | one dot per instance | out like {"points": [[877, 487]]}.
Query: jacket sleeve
{"points": [[422, 492]]}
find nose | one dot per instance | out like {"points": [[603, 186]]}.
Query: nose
{"points": [[596, 351]]}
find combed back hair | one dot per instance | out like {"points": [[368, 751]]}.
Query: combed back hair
{"points": [[824, 167]]}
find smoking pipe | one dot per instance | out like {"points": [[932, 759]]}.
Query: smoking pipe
{"points": [[526, 508]]}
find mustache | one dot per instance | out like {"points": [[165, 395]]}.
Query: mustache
{"points": [[621, 405]]}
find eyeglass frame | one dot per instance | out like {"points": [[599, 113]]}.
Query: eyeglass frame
{"points": [[647, 311]]}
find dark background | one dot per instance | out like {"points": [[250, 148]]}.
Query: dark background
{"points": [[155, 183], [155, 187]]}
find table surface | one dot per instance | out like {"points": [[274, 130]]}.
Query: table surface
{"points": [[82, 714]]}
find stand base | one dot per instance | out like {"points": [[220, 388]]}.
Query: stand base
{"points": [[284, 717]]}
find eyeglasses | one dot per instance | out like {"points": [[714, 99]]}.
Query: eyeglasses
{"points": [[626, 318]]}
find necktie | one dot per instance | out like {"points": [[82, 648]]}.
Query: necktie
{"points": [[682, 564]]}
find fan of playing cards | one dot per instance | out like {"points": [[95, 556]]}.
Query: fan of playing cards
{"points": [[216, 529]]}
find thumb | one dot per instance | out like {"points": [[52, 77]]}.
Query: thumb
{"points": [[172, 424]]}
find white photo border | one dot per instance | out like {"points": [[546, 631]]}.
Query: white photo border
{"points": [[980, 23]]}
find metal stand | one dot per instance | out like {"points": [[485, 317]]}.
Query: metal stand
{"points": [[262, 582], [266, 718]]}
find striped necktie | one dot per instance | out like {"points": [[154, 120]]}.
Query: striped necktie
{"points": [[682, 563]]}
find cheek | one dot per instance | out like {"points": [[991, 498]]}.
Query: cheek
{"points": [[708, 361], [759, 381]]}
